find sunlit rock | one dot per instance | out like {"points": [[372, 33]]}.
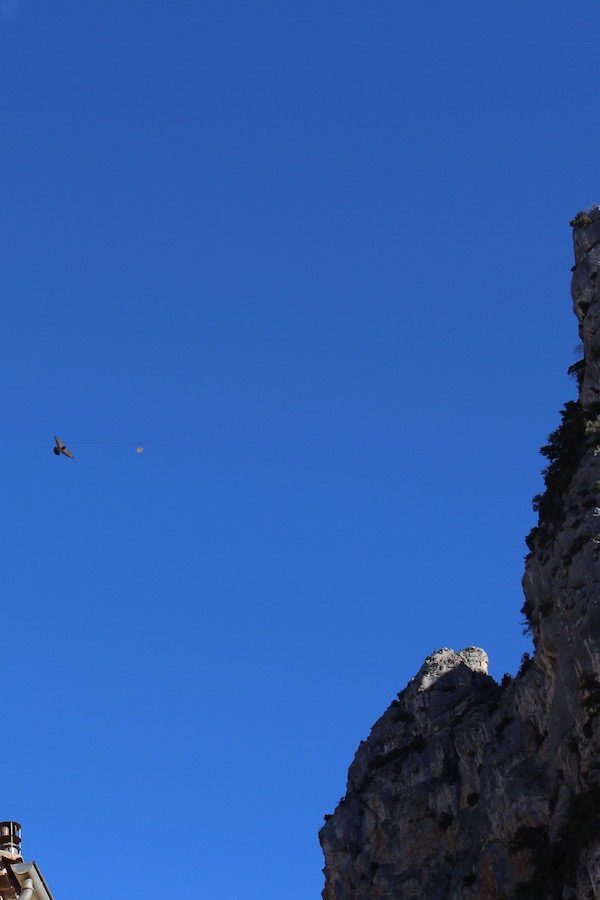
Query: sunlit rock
{"points": [[470, 789]]}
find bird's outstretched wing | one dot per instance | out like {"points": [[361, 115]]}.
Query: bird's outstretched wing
{"points": [[60, 448]]}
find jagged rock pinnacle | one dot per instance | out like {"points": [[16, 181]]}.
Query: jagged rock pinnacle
{"points": [[585, 290], [470, 789]]}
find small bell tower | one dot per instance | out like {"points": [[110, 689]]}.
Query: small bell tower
{"points": [[10, 838]]}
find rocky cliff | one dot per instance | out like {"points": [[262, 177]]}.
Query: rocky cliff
{"points": [[470, 789]]}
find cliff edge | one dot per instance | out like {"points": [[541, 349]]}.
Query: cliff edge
{"points": [[470, 789]]}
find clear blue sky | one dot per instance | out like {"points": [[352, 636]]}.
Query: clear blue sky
{"points": [[210, 209]]}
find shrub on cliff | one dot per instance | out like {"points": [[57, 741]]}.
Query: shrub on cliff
{"points": [[581, 220], [564, 451]]}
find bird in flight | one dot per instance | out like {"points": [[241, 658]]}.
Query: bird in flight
{"points": [[60, 448]]}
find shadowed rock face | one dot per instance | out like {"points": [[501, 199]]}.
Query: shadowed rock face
{"points": [[469, 789]]}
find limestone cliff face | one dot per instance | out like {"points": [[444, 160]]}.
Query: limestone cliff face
{"points": [[470, 789]]}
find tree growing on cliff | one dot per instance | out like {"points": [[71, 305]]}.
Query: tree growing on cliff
{"points": [[581, 220]]}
